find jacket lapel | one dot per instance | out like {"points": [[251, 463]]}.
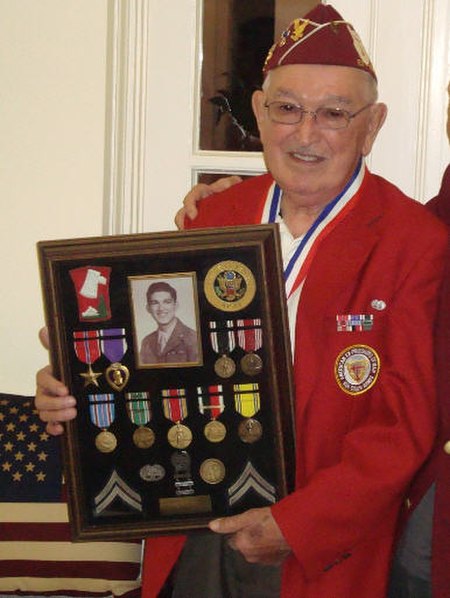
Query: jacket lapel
{"points": [[336, 270]]}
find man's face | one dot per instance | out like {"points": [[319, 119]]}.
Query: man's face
{"points": [[162, 306], [305, 160]]}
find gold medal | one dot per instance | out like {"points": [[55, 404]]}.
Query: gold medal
{"points": [[251, 364], [212, 471], [225, 367], [179, 436], [143, 437], [215, 431], [117, 375], [230, 286], [250, 430], [105, 442], [90, 377]]}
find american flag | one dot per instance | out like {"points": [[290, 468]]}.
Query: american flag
{"points": [[36, 554]]}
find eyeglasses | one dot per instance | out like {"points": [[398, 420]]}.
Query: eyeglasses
{"points": [[285, 113]]}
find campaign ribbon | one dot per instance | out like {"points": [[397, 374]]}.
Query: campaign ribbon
{"points": [[222, 336], [210, 400], [87, 345], [249, 334], [138, 407], [102, 409], [175, 404], [247, 399]]}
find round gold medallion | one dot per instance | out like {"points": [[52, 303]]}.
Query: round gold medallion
{"points": [[251, 364], [215, 431], [250, 430], [230, 286], [105, 442], [143, 437], [212, 471], [225, 367], [179, 436]]}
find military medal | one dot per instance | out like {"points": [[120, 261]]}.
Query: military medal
{"points": [[105, 441], [139, 411], [210, 402], [92, 290], [87, 348], [249, 335], [247, 403], [152, 473], [102, 414], [223, 341], [212, 471], [181, 461], [114, 345], [175, 409], [230, 286], [250, 430]]}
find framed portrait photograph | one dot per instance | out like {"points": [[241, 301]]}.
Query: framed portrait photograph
{"points": [[176, 347], [166, 320]]}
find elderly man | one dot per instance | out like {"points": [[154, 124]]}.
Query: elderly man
{"points": [[363, 264]]}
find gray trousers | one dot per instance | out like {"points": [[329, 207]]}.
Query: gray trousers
{"points": [[209, 568]]}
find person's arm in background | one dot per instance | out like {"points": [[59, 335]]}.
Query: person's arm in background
{"points": [[199, 192]]}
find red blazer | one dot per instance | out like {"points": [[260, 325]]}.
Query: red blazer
{"points": [[437, 467], [355, 454]]}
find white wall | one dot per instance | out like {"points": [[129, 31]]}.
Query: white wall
{"points": [[52, 112]]}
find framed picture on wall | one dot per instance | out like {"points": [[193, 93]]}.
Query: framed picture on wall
{"points": [[176, 347]]}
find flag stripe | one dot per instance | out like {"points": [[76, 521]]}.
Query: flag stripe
{"points": [[37, 512], [98, 552], [73, 587], [46, 569], [24, 531]]}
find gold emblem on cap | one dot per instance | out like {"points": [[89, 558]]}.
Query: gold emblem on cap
{"points": [[230, 286], [356, 369], [105, 442], [212, 471]]}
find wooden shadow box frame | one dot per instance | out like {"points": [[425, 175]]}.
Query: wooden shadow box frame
{"points": [[169, 437]]}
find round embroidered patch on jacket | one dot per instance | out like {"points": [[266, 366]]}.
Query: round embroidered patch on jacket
{"points": [[356, 369]]}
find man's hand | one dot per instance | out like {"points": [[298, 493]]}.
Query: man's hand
{"points": [[52, 401], [255, 534], [199, 192]]}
